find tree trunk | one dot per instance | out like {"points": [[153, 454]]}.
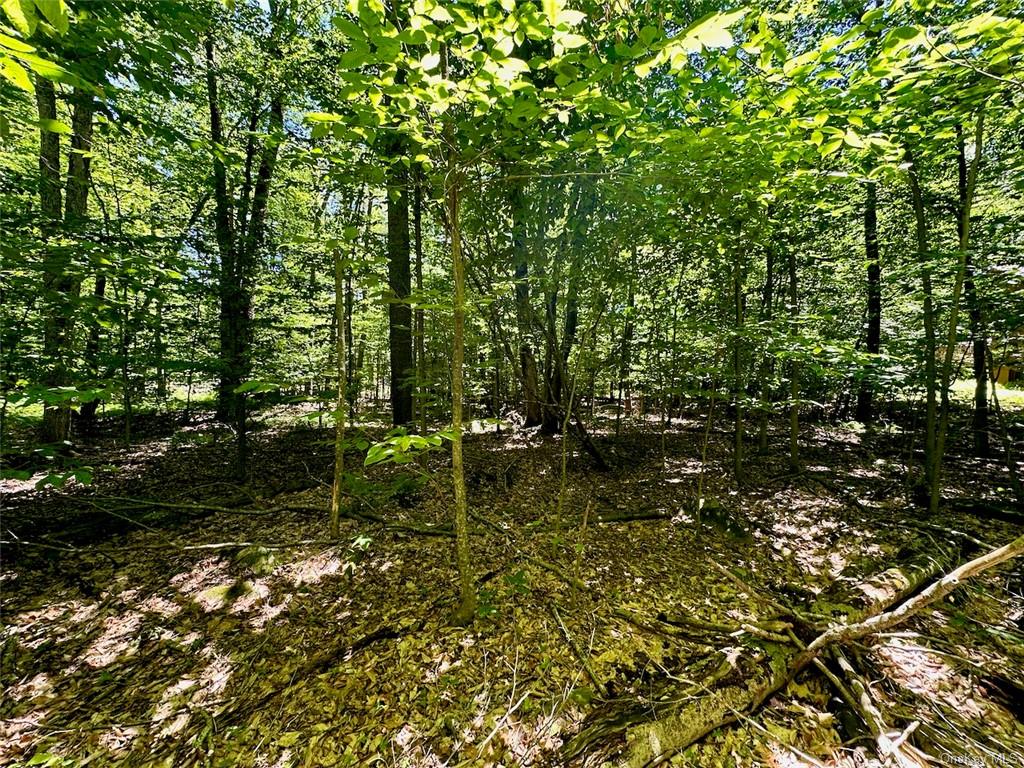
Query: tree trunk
{"points": [[737, 372], [766, 366], [467, 599], [979, 341], [951, 335], [528, 363], [61, 287], [399, 311], [418, 332], [224, 229], [550, 421], [339, 406], [874, 298], [794, 366], [625, 352], [930, 350]]}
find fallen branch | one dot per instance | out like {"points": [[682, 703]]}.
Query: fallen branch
{"points": [[654, 743]]}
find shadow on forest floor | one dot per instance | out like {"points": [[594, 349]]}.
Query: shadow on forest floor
{"points": [[138, 634]]}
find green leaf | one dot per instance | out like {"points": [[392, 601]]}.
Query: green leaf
{"points": [[21, 14], [16, 73], [552, 8], [712, 31], [13, 44], [55, 12], [571, 41], [54, 126], [505, 46], [430, 62], [830, 146]]}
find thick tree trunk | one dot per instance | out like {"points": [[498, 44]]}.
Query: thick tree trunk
{"points": [[399, 279], [60, 284], [224, 229], [979, 341], [874, 298]]}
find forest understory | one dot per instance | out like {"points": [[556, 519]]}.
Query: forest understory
{"points": [[164, 615]]}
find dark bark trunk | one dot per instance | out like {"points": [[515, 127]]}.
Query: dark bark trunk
{"points": [[418, 330], [92, 352], [399, 283], [56, 421], [737, 372], [625, 355], [224, 230], [865, 414], [527, 361]]}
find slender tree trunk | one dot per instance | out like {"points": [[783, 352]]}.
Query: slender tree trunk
{"points": [[865, 413], [794, 365], [766, 365], [626, 352], [930, 347], [552, 365], [399, 311], [339, 406], [951, 336], [420, 339], [737, 371], [527, 361], [467, 604], [979, 341]]}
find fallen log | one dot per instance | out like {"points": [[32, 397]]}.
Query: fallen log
{"points": [[653, 743]]}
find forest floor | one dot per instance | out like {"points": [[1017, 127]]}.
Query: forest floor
{"points": [[138, 634]]}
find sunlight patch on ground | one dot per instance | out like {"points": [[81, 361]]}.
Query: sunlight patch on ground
{"points": [[19, 734], [119, 638], [680, 470], [311, 569], [928, 675], [210, 570], [119, 738], [52, 623], [178, 701], [39, 685]]}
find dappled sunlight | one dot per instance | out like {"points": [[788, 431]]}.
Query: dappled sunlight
{"points": [[181, 699], [118, 638], [192, 582], [38, 685], [929, 675], [119, 738], [18, 734], [682, 470], [52, 623], [312, 569]]}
